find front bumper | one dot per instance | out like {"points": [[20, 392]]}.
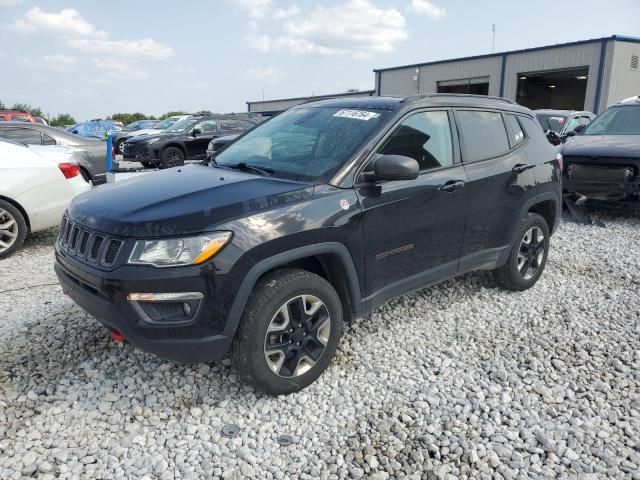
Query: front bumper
{"points": [[104, 295]]}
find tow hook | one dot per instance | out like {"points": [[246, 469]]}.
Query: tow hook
{"points": [[117, 336]]}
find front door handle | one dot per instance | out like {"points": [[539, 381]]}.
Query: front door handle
{"points": [[451, 186], [521, 167]]}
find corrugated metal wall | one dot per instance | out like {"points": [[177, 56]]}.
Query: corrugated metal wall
{"points": [[430, 75], [586, 55], [398, 82], [623, 82]]}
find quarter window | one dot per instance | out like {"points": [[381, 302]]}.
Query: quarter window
{"points": [[47, 140], [516, 134], [483, 134], [425, 137]]}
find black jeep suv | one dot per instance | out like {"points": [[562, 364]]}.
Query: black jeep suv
{"points": [[187, 139], [312, 218]]}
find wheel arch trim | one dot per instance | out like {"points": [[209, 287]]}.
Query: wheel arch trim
{"points": [[270, 263], [20, 209]]}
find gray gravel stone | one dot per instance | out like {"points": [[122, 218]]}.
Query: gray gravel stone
{"points": [[461, 380]]}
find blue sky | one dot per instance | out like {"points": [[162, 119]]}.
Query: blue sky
{"points": [[91, 58]]}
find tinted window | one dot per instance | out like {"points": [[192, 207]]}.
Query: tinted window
{"points": [[516, 135], [483, 134], [229, 125], [572, 123], [47, 140], [551, 122], [425, 137], [22, 135]]}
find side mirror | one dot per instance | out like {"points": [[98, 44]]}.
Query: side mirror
{"points": [[195, 131], [74, 132], [553, 137], [393, 167], [578, 129]]}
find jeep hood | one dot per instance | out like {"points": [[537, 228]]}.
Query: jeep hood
{"points": [[603, 146], [179, 201]]}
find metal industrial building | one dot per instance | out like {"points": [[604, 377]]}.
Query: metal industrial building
{"points": [[271, 107], [586, 75]]}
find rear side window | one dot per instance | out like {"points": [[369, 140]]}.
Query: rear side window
{"points": [[22, 135], [516, 134], [483, 134], [47, 140], [229, 125], [425, 137]]}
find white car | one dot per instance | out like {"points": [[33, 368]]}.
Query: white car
{"points": [[36, 186]]}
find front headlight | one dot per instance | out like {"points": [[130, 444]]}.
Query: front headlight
{"points": [[175, 252]]}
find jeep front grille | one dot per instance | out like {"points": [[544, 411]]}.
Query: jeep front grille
{"points": [[88, 246]]}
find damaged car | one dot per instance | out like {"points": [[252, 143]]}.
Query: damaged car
{"points": [[602, 162]]}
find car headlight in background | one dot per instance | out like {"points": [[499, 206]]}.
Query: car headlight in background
{"points": [[175, 252]]}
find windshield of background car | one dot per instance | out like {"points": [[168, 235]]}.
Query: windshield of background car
{"points": [[551, 122], [305, 144], [182, 125], [166, 123], [624, 120]]}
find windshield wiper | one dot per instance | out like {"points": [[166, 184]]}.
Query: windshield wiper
{"points": [[249, 168]]}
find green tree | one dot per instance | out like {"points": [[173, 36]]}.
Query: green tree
{"points": [[25, 107], [172, 114], [127, 118], [62, 119]]}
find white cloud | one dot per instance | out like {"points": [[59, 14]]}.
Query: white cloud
{"points": [[425, 7], [355, 28], [255, 8], [119, 69], [265, 74], [281, 13], [262, 43], [9, 3], [82, 35], [67, 22], [60, 62]]}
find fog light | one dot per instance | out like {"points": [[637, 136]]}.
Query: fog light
{"points": [[187, 309]]}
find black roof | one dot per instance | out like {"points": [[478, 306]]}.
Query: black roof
{"points": [[433, 99]]}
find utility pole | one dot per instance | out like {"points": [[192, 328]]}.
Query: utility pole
{"points": [[493, 42]]}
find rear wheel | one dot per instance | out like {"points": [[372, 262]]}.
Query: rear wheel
{"points": [[289, 332], [171, 157], [13, 229], [528, 256]]}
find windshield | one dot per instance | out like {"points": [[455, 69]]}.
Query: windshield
{"points": [[551, 122], [181, 125], [306, 144], [623, 120], [166, 123]]}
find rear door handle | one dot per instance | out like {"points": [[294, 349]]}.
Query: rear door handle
{"points": [[521, 167], [451, 186]]}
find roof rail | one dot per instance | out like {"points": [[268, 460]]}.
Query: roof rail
{"points": [[458, 95]]}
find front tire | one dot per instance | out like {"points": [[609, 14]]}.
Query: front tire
{"points": [[13, 229], [528, 256], [289, 332], [171, 157], [120, 146]]}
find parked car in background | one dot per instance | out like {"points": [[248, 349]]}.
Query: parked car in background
{"points": [[602, 162], [90, 153], [219, 143], [123, 135], [560, 124], [186, 139], [16, 116], [314, 217], [36, 187], [95, 129]]}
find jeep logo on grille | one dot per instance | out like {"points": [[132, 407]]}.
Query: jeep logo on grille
{"points": [[81, 217]]}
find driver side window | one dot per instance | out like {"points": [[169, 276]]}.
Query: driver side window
{"points": [[425, 137], [572, 124], [207, 126]]}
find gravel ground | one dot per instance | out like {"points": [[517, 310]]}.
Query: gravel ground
{"points": [[462, 380]]}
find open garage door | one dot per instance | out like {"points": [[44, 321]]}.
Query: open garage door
{"points": [[557, 89], [475, 86]]}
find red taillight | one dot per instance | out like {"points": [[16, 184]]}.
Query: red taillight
{"points": [[69, 170]]}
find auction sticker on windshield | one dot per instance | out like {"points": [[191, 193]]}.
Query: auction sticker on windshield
{"points": [[357, 114]]}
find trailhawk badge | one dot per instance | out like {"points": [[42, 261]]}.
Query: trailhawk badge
{"points": [[344, 204]]}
